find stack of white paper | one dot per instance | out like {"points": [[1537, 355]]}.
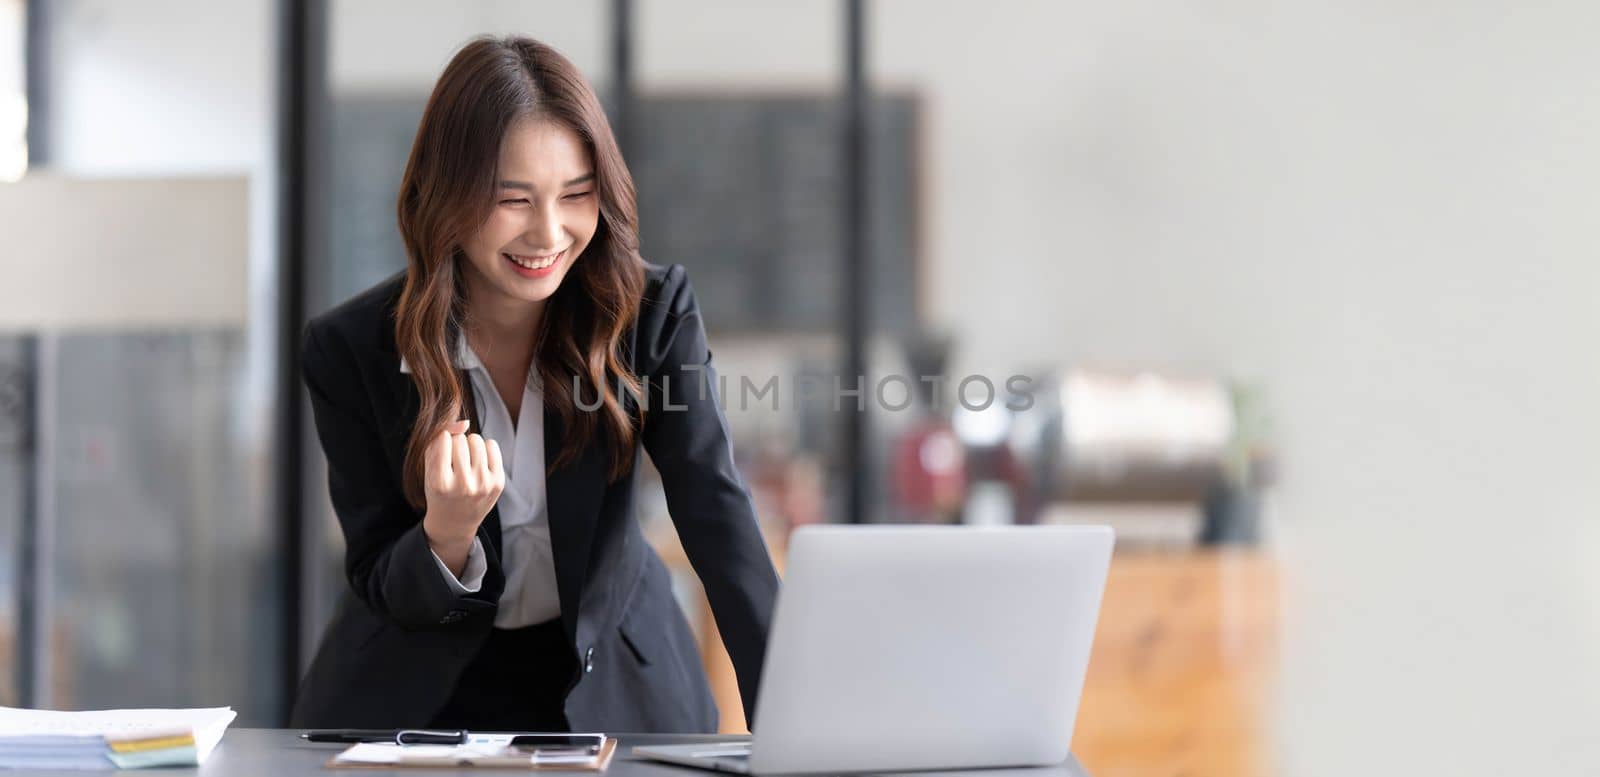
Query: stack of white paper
{"points": [[109, 739]]}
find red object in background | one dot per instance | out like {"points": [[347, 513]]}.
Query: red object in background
{"points": [[930, 481]]}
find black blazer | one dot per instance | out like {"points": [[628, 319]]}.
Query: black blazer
{"points": [[400, 637]]}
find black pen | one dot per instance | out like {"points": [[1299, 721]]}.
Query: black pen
{"points": [[405, 736]]}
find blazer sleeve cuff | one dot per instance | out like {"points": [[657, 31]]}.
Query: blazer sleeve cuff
{"points": [[419, 596]]}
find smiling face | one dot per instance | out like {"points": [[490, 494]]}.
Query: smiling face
{"points": [[546, 210]]}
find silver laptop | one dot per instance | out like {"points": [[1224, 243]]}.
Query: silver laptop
{"points": [[921, 647]]}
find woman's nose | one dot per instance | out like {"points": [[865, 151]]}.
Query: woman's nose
{"points": [[545, 231]]}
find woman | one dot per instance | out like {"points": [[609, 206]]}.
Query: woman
{"points": [[480, 413]]}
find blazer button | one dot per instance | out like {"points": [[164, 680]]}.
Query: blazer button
{"points": [[453, 616], [588, 661]]}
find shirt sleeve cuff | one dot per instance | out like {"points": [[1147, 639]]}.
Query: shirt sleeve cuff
{"points": [[471, 580]]}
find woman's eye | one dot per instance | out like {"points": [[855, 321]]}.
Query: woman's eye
{"points": [[578, 195], [512, 202]]}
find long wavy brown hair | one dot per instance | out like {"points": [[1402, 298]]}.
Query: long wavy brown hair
{"points": [[447, 193]]}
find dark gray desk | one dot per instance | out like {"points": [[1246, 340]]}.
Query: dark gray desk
{"points": [[262, 752]]}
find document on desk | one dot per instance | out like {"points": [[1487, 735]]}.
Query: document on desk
{"points": [[109, 739], [484, 751]]}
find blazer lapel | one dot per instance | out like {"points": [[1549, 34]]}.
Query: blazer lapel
{"points": [[572, 498]]}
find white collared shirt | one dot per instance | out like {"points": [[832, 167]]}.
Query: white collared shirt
{"points": [[529, 564]]}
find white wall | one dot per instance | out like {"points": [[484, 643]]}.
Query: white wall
{"points": [[162, 86], [387, 46], [177, 87], [13, 104]]}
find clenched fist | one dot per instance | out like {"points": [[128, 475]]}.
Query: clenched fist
{"points": [[462, 481]]}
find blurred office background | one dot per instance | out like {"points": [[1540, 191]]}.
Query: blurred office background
{"points": [[1303, 293]]}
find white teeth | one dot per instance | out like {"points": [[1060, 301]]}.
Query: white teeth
{"points": [[534, 264]]}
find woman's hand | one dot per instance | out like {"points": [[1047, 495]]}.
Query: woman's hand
{"points": [[462, 481]]}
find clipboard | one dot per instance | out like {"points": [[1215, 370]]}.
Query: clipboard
{"points": [[468, 756]]}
